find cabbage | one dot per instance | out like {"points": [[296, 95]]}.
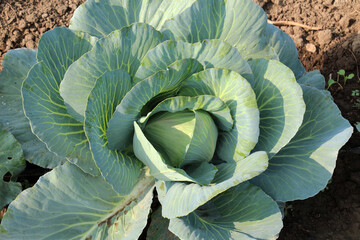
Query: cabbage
{"points": [[203, 101]]}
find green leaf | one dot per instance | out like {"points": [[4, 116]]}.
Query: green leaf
{"points": [[210, 53], [178, 199], [280, 102], [194, 132], [70, 204], [243, 212], [119, 169], [214, 19], [284, 47], [218, 109], [101, 18], [11, 162], [238, 95], [16, 64], [305, 165], [313, 79], [43, 105], [120, 131], [166, 128], [341, 72], [158, 228], [122, 49], [146, 153]]}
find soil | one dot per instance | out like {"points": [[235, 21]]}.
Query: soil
{"points": [[335, 212]]}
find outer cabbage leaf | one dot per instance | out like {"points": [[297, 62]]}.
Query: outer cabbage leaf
{"points": [[305, 165], [314, 79], [214, 19], [280, 102], [211, 53], [178, 199], [16, 64], [70, 204], [43, 104], [284, 47], [119, 169], [122, 49], [242, 212], [101, 18], [11, 161]]}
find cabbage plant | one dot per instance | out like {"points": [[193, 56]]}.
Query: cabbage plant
{"points": [[202, 100]]}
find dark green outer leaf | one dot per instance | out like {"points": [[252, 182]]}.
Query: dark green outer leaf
{"points": [[122, 49], [11, 161], [101, 18], [43, 104], [305, 165], [68, 204], [243, 212], [228, 21], [284, 47], [280, 101], [16, 66]]}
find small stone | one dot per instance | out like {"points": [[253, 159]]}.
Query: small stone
{"points": [[324, 37], [30, 44], [310, 47], [15, 35], [61, 10], [45, 15], [29, 37], [30, 18], [22, 24]]}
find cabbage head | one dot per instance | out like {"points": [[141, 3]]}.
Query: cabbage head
{"points": [[202, 100]]}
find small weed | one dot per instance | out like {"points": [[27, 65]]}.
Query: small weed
{"points": [[355, 93], [341, 72], [331, 82]]}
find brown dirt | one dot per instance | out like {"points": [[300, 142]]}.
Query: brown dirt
{"points": [[335, 212]]}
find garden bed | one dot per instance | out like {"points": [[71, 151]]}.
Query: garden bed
{"points": [[335, 212]]}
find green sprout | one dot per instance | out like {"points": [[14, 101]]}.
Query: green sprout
{"points": [[341, 72], [331, 82]]}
